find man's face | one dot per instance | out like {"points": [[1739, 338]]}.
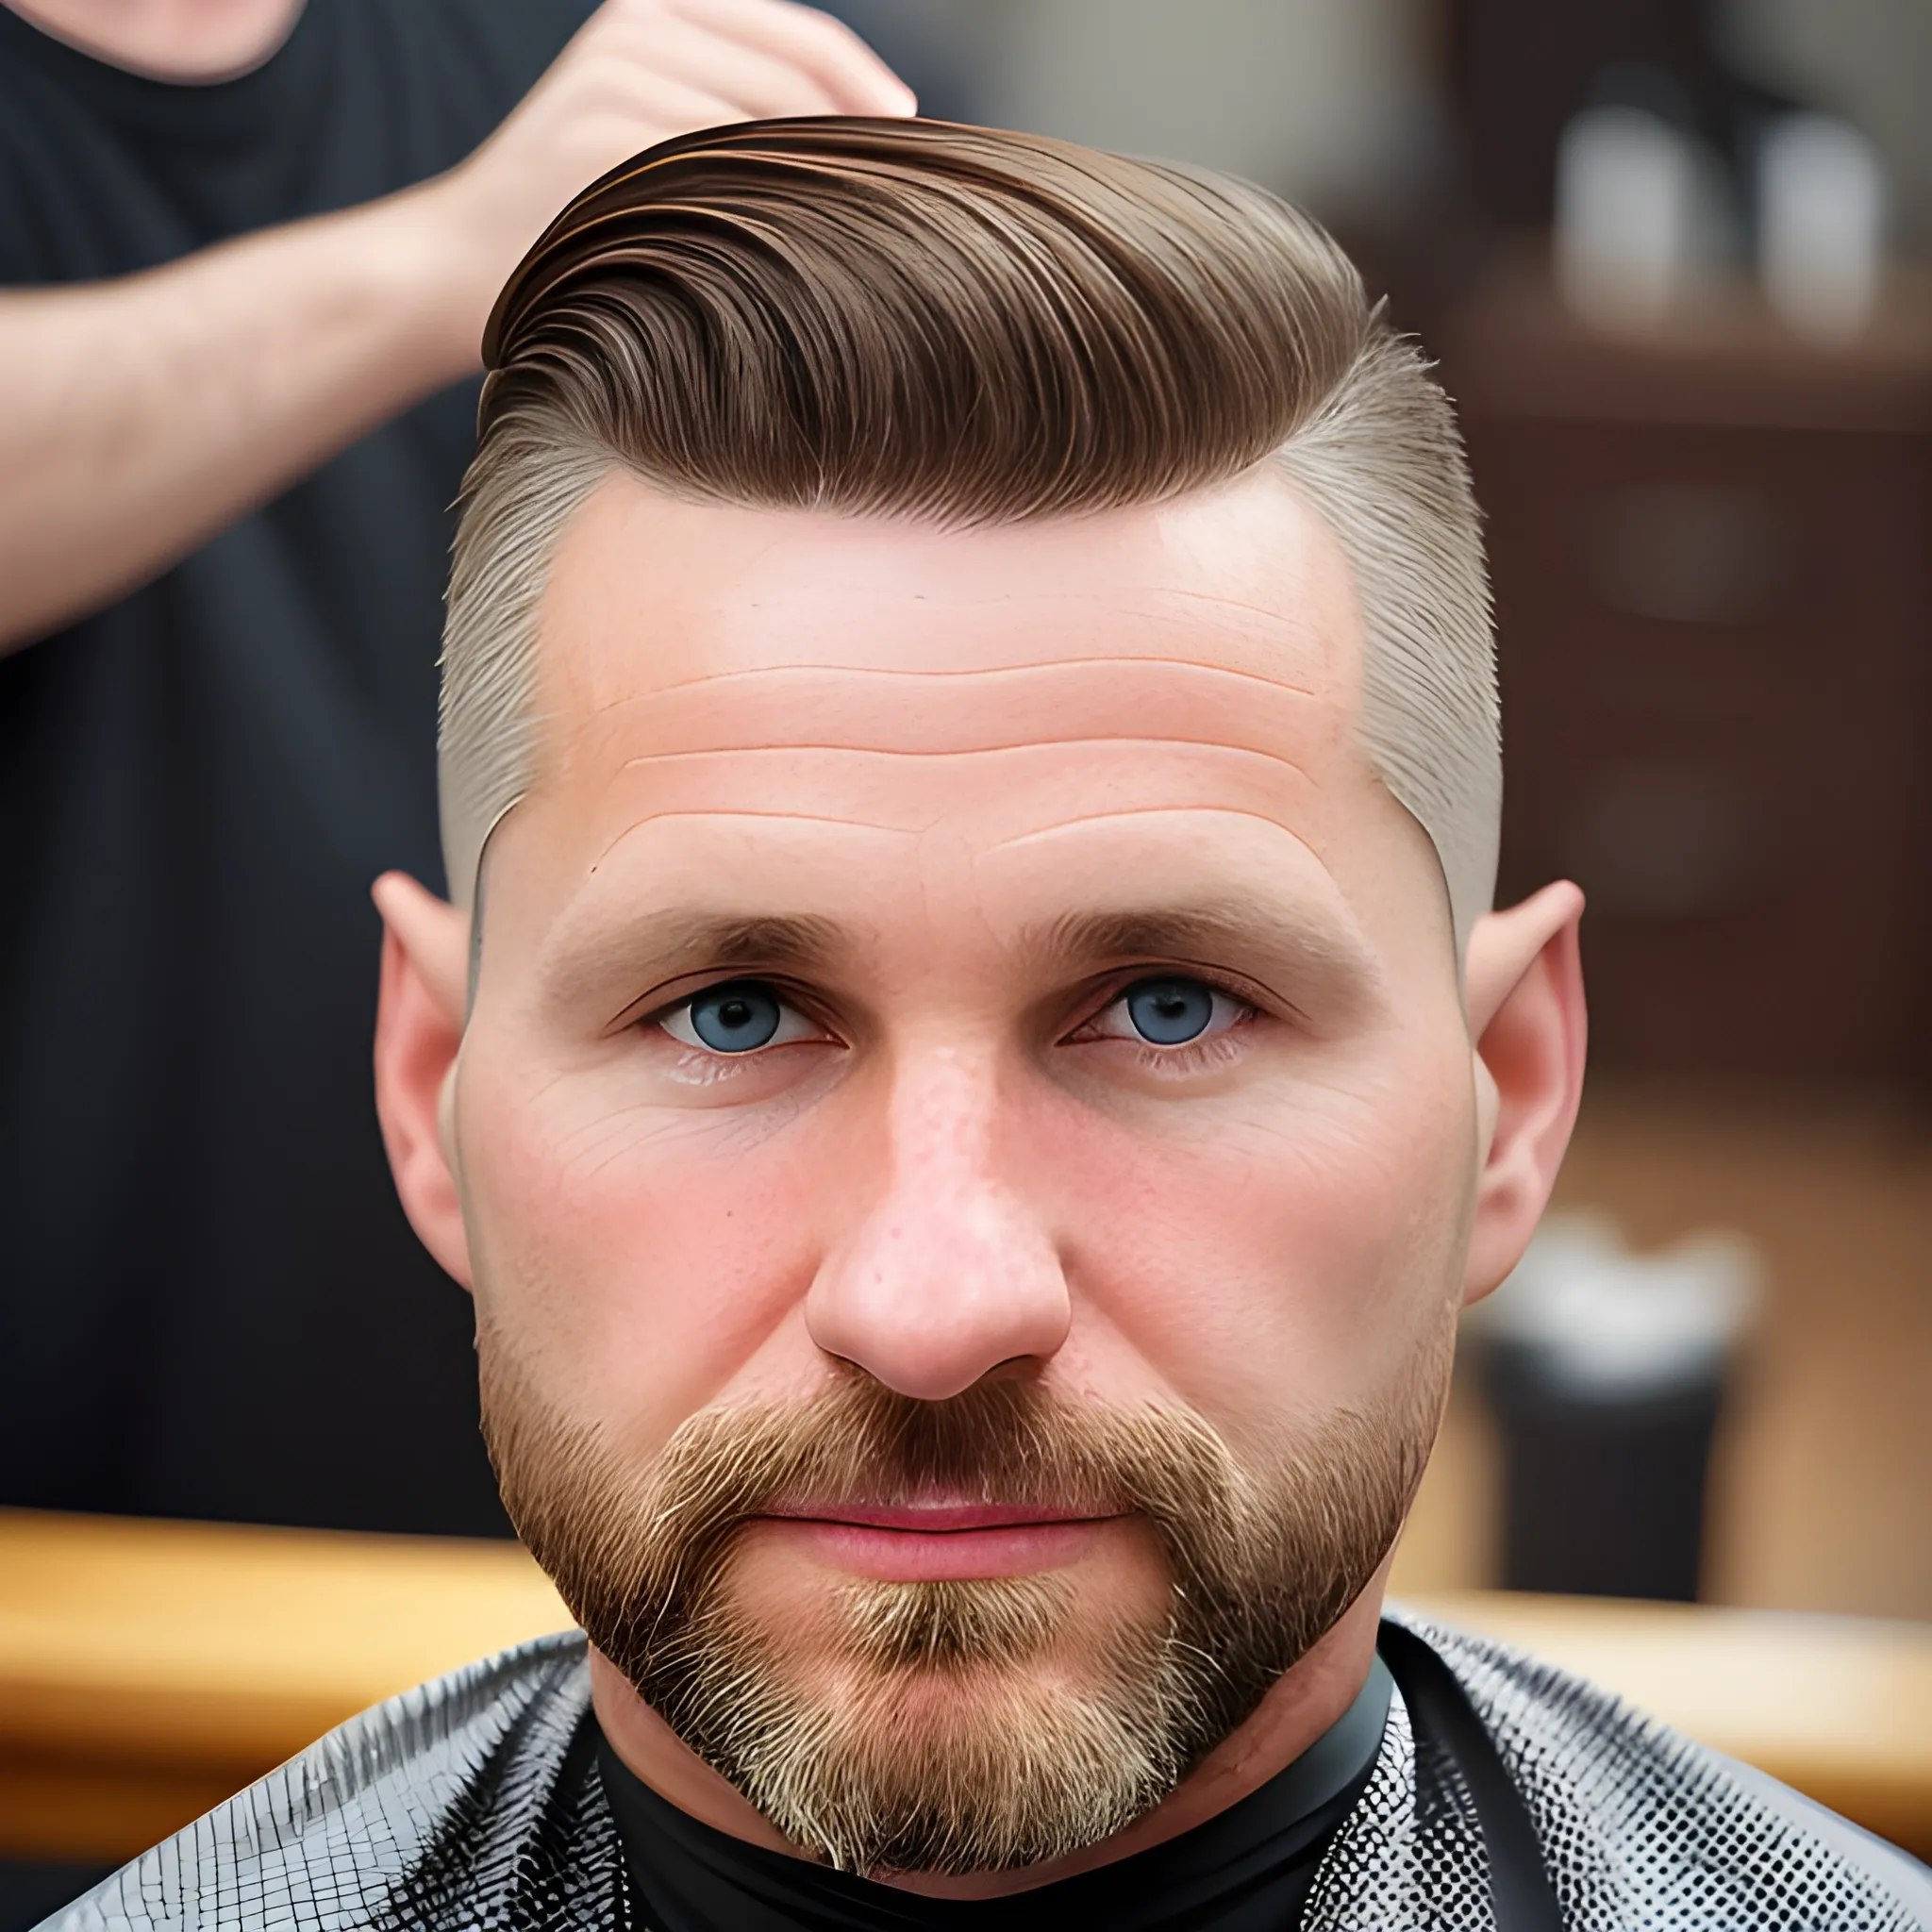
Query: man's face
{"points": [[967, 1141]]}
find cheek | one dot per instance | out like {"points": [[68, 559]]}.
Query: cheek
{"points": [[642, 1260], [1284, 1252]]}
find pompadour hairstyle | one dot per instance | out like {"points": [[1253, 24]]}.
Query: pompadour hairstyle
{"points": [[963, 326]]}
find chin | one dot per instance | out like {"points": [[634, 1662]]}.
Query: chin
{"points": [[944, 1729]]}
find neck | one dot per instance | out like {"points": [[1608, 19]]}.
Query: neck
{"points": [[1302, 1704], [183, 40]]}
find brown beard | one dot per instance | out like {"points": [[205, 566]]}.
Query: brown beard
{"points": [[938, 1739]]}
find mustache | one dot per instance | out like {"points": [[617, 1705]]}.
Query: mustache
{"points": [[1002, 1443], [1005, 1443]]}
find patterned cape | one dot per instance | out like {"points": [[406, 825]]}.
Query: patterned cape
{"points": [[473, 1803]]}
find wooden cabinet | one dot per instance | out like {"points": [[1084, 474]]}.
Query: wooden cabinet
{"points": [[1714, 607]]}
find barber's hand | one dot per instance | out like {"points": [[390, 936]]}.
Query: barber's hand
{"points": [[640, 72]]}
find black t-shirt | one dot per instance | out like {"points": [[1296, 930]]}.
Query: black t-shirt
{"points": [[1248, 1869], [211, 1304]]}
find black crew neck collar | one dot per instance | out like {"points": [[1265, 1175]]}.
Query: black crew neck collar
{"points": [[1237, 1869]]}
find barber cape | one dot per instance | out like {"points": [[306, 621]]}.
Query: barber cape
{"points": [[1507, 1797]]}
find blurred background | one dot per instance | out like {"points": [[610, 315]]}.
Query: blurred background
{"points": [[1670, 256]]}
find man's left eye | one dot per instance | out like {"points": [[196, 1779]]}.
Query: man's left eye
{"points": [[739, 1017], [1168, 1011]]}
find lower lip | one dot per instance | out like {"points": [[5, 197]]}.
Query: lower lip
{"points": [[915, 1556]]}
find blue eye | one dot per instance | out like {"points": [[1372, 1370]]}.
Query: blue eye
{"points": [[1170, 1012], [738, 1017]]}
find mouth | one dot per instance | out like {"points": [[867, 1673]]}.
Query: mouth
{"points": [[937, 1541]]}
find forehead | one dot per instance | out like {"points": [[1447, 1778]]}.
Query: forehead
{"points": [[649, 596], [747, 712]]}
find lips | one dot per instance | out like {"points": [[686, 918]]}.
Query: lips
{"points": [[933, 1519], [937, 1541]]}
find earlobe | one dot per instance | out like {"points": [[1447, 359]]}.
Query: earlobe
{"points": [[1526, 1020], [419, 1029]]}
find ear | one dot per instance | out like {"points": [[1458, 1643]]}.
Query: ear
{"points": [[1524, 985], [419, 1027]]}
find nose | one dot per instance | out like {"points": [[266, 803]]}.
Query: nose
{"points": [[945, 1275]]}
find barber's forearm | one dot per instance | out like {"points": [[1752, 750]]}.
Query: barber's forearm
{"points": [[139, 416]]}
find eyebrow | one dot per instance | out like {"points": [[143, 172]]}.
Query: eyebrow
{"points": [[658, 946], [1317, 955]]}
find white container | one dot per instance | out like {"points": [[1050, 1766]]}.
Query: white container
{"points": [[1607, 1322], [1821, 237], [1632, 227]]}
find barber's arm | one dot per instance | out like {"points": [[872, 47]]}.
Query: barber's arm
{"points": [[139, 416]]}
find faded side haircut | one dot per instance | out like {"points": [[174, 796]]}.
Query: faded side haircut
{"points": [[964, 328]]}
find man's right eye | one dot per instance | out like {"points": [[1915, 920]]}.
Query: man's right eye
{"points": [[738, 1017]]}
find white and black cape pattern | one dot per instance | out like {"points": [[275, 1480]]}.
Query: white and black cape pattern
{"points": [[473, 1804]]}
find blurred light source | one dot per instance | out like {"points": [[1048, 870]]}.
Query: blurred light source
{"points": [[1632, 221], [1820, 235]]}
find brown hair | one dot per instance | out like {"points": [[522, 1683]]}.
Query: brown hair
{"points": [[963, 326]]}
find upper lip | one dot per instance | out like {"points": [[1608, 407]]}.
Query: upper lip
{"points": [[936, 1519]]}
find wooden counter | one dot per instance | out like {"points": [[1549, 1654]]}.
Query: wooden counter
{"points": [[149, 1669], [1839, 1707]]}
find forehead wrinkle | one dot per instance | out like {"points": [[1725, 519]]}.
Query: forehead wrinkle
{"points": [[985, 751], [792, 706], [713, 812], [963, 674], [582, 694], [1014, 842], [1042, 833]]}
